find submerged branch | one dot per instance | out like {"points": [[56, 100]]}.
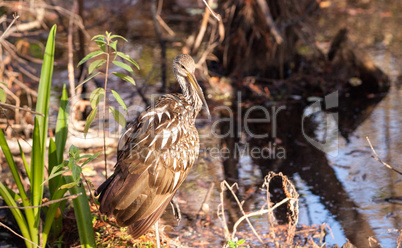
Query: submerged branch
{"points": [[376, 157]]}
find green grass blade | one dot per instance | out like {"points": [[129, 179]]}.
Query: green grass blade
{"points": [[52, 159], [62, 126], [16, 197], [54, 223], [37, 175], [82, 215], [50, 215], [55, 181], [26, 166], [13, 169], [42, 106], [22, 224], [17, 179], [40, 130]]}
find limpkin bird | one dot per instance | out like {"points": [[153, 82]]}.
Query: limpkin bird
{"points": [[156, 155]]}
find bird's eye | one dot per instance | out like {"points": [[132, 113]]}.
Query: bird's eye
{"points": [[182, 66]]}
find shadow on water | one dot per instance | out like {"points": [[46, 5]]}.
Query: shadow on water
{"points": [[288, 151]]}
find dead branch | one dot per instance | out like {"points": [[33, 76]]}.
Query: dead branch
{"points": [[225, 185], [26, 7], [293, 204], [204, 206], [165, 26], [13, 53], [376, 157], [3, 35], [244, 214], [203, 27], [16, 234], [260, 212], [161, 41], [291, 199], [269, 20], [373, 241], [271, 217], [217, 16], [205, 54], [76, 17], [21, 84], [17, 100], [46, 203], [39, 13], [26, 109], [221, 213]]}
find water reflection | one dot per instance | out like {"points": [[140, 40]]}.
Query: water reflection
{"points": [[307, 163]]}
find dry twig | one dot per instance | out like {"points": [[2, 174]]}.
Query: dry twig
{"points": [[217, 16], [291, 199], [23, 109], [269, 20], [245, 216], [204, 209], [376, 157], [203, 28], [3, 35], [16, 234], [46, 203]]}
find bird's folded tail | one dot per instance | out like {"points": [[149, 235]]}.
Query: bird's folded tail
{"points": [[140, 227], [107, 191]]}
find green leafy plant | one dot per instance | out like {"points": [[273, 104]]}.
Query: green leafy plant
{"points": [[35, 230], [107, 54], [3, 96], [235, 244], [72, 165]]}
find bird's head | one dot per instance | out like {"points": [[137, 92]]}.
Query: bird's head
{"points": [[184, 68]]}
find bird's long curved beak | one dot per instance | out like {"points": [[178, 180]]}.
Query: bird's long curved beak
{"points": [[198, 89]]}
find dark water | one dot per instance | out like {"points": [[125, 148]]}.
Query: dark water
{"points": [[355, 195]]}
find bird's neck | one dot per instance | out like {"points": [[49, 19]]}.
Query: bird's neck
{"points": [[191, 97]]}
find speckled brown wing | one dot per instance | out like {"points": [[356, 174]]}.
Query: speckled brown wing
{"points": [[156, 156]]}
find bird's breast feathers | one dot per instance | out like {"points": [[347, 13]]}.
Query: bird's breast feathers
{"points": [[165, 138]]}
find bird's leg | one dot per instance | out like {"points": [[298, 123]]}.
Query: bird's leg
{"points": [[158, 241], [176, 209]]}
